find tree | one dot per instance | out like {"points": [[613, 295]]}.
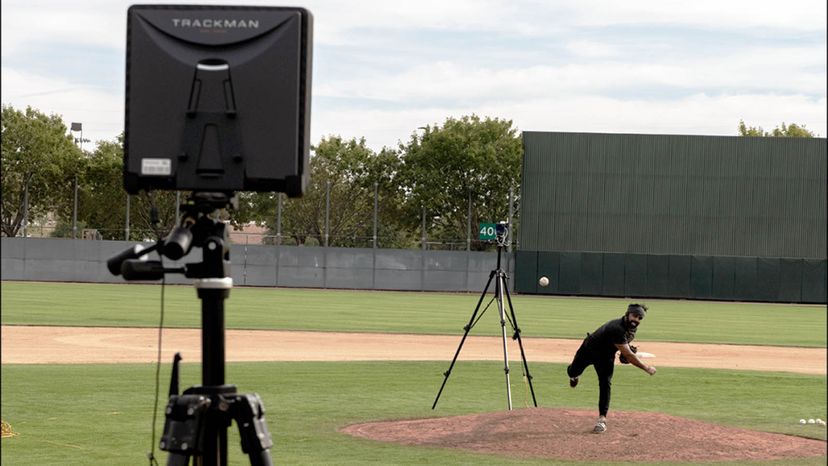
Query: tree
{"points": [[466, 158], [38, 156], [101, 200], [351, 169], [785, 131]]}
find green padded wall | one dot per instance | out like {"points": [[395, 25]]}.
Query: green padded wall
{"points": [[672, 276], [706, 217]]}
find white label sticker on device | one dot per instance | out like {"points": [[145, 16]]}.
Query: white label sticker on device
{"points": [[156, 167]]}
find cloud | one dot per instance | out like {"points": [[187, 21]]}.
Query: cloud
{"points": [[65, 24], [752, 70], [732, 14], [382, 69], [101, 112], [697, 114]]}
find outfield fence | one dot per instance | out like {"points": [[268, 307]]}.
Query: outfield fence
{"points": [[48, 259]]}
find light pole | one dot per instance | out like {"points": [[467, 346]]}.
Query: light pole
{"points": [[76, 127], [425, 130]]}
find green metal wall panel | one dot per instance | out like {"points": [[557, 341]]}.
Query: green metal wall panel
{"points": [[678, 216], [685, 195]]}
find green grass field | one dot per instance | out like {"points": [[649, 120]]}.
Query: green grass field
{"points": [[409, 312], [101, 414]]}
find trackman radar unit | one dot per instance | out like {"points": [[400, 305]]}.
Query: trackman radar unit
{"points": [[217, 98]]}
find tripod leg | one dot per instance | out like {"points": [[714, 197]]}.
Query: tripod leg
{"points": [[248, 412], [499, 296], [184, 428], [467, 328], [520, 343]]}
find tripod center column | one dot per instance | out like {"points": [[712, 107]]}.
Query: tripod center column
{"points": [[212, 292]]}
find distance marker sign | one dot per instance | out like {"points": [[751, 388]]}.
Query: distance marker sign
{"points": [[487, 231]]}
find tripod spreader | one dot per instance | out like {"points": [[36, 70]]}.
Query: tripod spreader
{"points": [[192, 419]]}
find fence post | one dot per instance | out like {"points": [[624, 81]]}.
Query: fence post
{"points": [[75, 210], [468, 225], [374, 249], [126, 227], [327, 211], [376, 209], [424, 230], [422, 255], [278, 219], [25, 207], [278, 235]]}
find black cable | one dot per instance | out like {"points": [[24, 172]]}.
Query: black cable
{"points": [[151, 453], [154, 223]]}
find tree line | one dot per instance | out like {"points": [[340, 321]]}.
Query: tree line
{"points": [[443, 179]]}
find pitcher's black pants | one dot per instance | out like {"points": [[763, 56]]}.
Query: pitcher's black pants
{"points": [[604, 365]]}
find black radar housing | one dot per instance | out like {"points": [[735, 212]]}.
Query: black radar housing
{"points": [[217, 98]]}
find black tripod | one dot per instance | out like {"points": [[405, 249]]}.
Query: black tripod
{"points": [[501, 289], [197, 420]]}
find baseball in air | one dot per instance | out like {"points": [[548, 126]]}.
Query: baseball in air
{"points": [[803, 421], [543, 281]]}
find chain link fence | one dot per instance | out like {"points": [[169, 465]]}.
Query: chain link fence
{"points": [[372, 231]]}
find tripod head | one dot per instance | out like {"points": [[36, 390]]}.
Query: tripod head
{"points": [[502, 233], [196, 228]]}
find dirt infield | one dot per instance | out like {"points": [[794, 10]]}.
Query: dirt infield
{"points": [[532, 433], [565, 434], [83, 345]]}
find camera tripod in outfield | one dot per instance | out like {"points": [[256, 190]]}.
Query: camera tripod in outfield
{"points": [[501, 289], [197, 420]]}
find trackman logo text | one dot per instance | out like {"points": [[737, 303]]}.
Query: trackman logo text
{"points": [[215, 23]]}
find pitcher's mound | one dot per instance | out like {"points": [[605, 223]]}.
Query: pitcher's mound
{"points": [[566, 434]]}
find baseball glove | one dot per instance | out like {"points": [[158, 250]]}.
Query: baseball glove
{"points": [[623, 359]]}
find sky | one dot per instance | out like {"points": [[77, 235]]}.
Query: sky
{"points": [[384, 68]]}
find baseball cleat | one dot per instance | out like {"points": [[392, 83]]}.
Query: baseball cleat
{"points": [[599, 428], [573, 382]]}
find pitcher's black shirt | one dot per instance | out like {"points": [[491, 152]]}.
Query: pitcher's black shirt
{"points": [[604, 339]]}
